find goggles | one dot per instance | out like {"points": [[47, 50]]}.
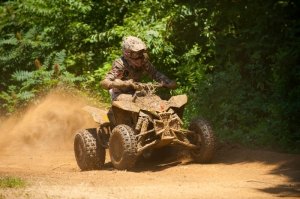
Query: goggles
{"points": [[135, 55]]}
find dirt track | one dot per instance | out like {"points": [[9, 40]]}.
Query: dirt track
{"points": [[38, 148], [234, 173]]}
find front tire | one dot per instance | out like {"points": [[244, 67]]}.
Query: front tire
{"points": [[122, 147], [89, 153], [204, 138]]}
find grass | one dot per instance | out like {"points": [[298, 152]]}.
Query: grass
{"points": [[12, 182]]}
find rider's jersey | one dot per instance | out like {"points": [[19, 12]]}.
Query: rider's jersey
{"points": [[122, 70]]}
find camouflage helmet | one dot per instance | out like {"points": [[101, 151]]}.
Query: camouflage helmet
{"points": [[133, 47], [133, 44]]}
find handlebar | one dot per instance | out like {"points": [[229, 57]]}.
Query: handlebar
{"points": [[145, 86]]}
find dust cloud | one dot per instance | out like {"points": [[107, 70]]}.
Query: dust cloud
{"points": [[49, 125]]}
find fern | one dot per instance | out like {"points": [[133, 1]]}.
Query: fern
{"points": [[70, 78], [6, 97], [49, 60], [60, 58], [10, 41], [22, 75], [9, 56], [26, 95]]}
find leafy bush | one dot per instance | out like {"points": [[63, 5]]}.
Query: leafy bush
{"points": [[30, 84]]}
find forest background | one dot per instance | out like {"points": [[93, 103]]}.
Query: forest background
{"points": [[238, 60]]}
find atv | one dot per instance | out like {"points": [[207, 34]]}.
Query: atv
{"points": [[137, 124]]}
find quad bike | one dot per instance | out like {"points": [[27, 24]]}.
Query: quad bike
{"points": [[135, 125]]}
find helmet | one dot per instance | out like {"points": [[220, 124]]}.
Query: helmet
{"points": [[133, 47]]}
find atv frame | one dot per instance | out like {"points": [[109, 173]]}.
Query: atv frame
{"points": [[135, 125]]}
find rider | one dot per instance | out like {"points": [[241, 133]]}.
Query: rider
{"points": [[130, 68]]}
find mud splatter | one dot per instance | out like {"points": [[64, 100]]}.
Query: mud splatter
{"points": [[52, 123]]}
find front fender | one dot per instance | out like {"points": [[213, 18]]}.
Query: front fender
{"points": [[178, 101], [99, 116]]}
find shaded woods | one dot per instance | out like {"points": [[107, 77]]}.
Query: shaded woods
{"points": [[237, 60]]}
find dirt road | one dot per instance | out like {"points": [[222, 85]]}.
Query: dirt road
{"points": [[234, 173], [38, 148]]}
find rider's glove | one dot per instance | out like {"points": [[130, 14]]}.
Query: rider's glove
{"points": [[170, 84], [137, 86]]}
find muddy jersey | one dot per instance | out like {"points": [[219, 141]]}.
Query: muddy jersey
{"points": [[122, 70]]}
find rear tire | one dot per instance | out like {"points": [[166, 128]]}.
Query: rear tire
{"points": [[122, 147], [204, 138], [89, 153]]}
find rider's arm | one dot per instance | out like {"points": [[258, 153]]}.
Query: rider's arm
{"points": [[159, 77], [114, 76]]}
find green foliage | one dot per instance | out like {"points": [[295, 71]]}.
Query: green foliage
{"points": [[12, 182], [248, 94], [29, 84], [237, 60]]}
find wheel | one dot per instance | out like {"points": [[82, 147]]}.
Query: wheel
{"points": [[89, 153], [204, 138], [122, 147]]}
